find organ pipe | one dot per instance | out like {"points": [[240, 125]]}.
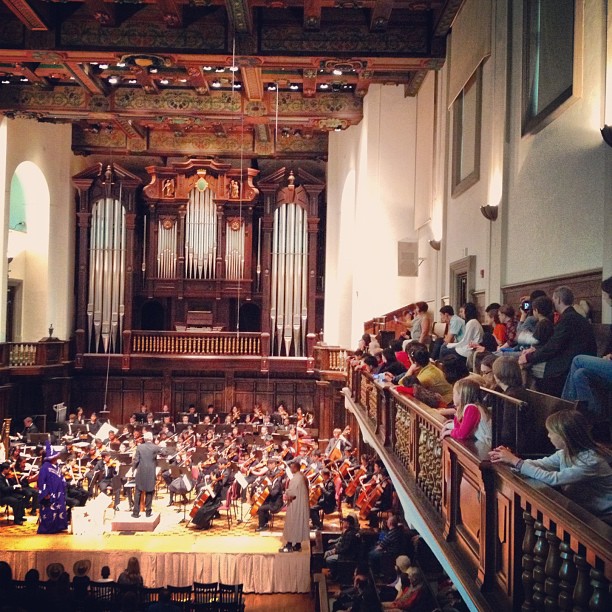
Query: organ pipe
{"points": [[200, 235], [289, 280], [105, 300]]}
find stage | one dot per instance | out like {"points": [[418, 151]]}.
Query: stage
{"points": [[174, 553]]}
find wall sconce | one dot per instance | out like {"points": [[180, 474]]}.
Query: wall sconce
{"points": [[606, 134], [489, 212], [435, 244]]}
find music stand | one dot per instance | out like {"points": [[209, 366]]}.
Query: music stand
{"points": [[35, 439], [141, 417]]}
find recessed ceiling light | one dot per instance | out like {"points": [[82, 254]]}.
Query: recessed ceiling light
{"points": [[103, 66], [164, 81], [153, 70], [183, 80], [216, 84], [73, 78], [337, 129], [94, 63], [337, 72], [121, 65], [113, 80], [271, 87], [237, 85], [5, 81], [294, 86], [219, 69], [323, 86], [207, 68], [132, 81], [24, 79], [233, 68]]}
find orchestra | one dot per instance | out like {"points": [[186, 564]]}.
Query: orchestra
{"points": [[241, 455]]}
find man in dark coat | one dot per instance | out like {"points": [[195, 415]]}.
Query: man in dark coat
{"points": [[145, 462], [573, 335]]}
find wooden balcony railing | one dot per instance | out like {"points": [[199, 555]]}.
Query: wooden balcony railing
{"points": [[209, 343], [330, 358], [509, 542], [29, 354]]}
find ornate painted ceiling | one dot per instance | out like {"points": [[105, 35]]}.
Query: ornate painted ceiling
{"points": [[232, 78]]}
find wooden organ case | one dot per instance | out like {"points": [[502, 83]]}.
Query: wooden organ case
{"points": [[198, 247], [106, 218], [204, 250]]}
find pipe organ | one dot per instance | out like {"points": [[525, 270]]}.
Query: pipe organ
{"points": [[199, 237]]}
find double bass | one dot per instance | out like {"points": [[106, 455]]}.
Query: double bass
{"points": [[351, 487]]}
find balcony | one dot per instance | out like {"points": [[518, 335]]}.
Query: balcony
{"points": [[507, 541]]}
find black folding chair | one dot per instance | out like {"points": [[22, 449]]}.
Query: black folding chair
{"points": [[230, 598], [205, 596], [181, 596]]}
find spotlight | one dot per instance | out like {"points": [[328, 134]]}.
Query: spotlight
{"points": [[237, 85], [5, 81], [164, 81], [121, 65], [103, 66], [153, 70], [216, 84], [182, 80], [113, 80], [207, 68], [294, 86], [323, 86], [132, 81], [337, 72], [219, 69], [271, 87], [24, 79], [233, 69]]}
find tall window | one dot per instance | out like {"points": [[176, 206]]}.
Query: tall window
{"points": [[467, 110], [551, 31]]}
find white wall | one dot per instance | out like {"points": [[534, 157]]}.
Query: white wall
{"points": [[48, 298], [370, 209], [557, 180]]}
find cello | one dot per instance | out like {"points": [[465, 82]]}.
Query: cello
{"points": [[371, 498], [351, 487], [205, 494], [261, 498]]}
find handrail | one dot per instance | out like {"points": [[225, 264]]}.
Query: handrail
{"points": [[28, 354], [205, 343]]}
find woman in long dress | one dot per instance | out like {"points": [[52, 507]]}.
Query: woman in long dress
{"points": [[298, 511], [52, 495]]}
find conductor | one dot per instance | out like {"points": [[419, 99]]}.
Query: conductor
{"points": [[145, 462]]}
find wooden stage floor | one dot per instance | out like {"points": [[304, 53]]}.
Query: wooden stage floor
{"points": [[175, 553]]}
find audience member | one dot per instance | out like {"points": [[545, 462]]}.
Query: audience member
{"points": [[345, 599], [345, 547], [131, 574], [392, 591], [472, 420], [413, 592], [421, 325], [105, 574], [591, 377], [32, 598], [389, 545], [164, 604], [581, 467], [484, 367], [507, 319], [426, 373], [527, 322], [455, 329], [390, 363], [573, 335], [80, 580], [471, 337]]}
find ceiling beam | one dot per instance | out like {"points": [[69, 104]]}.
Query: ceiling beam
{"points": [[130, 128], [25, 12], [172, 13], [86, 77], [312, 14], [28, 71], [102, 12], [252, 82], [197, 80], [381, 13], [241, 17]]}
